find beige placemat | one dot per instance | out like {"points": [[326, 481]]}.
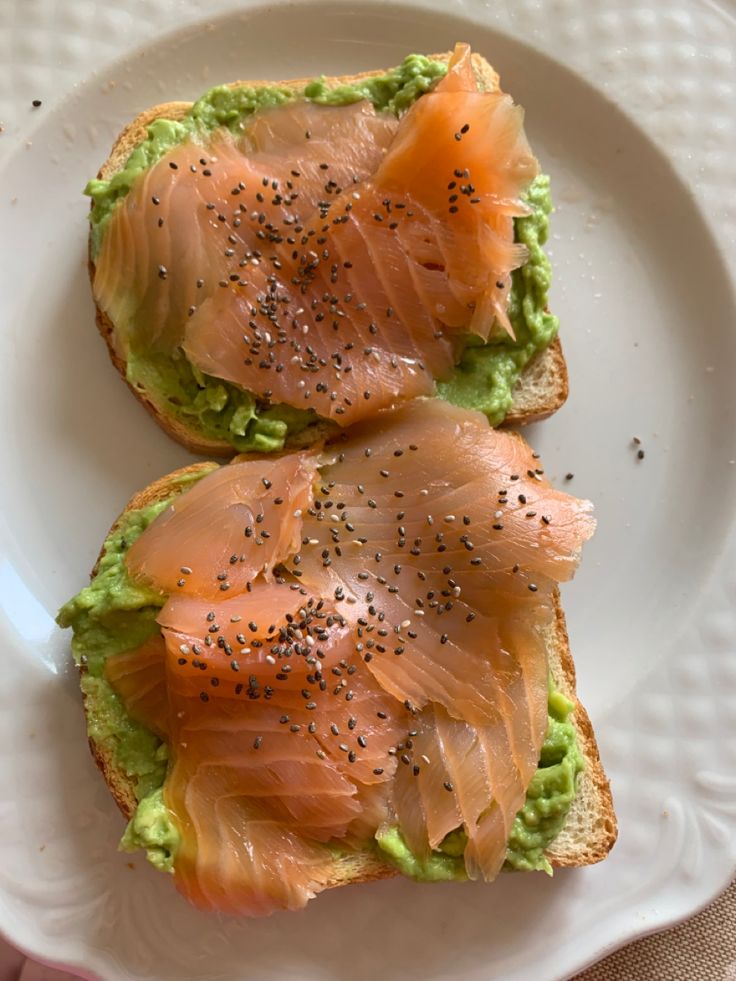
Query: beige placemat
{"points": [[702, 949]]}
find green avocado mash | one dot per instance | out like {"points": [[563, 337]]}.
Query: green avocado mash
{"points": [[153, 829], [113, 614], [548, 799], [217, 409], [486, 374]]}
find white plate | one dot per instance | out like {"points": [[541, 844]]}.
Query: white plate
{"points": [[630, 107]]}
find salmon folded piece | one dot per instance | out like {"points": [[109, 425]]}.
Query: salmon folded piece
{"points": [[257, 528], [204, 208], [384, 664], [446, 541], [265, 764], [330, 258]]}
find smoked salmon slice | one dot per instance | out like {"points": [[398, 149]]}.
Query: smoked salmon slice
{"points": [[331, 259], [260, 528], [204, 212], [274, 767], [139, 677], [386, 664]]}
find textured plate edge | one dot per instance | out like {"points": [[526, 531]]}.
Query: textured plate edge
{"points": [[663, 921]]}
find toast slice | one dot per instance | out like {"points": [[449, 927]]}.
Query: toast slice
{"points": [[541, 389], [590, 829]]}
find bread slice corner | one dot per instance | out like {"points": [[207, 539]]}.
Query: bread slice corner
{"points": [[542, 388], [540, 391]]}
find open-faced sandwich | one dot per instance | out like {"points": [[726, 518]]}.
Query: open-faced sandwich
{"points": [[343, 663], [279, 260]]}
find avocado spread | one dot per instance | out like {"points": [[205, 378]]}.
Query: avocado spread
{"points": [[153, 829], [540, 820], [113, 614], [485, 377]]}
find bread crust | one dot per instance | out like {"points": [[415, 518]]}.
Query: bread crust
{"points": [[592, 809], [541, 390]]}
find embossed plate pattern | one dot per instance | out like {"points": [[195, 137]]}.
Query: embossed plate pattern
{"points": [[630, 107]]}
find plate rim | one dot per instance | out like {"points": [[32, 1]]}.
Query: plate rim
{"points": [[720, 235]]}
